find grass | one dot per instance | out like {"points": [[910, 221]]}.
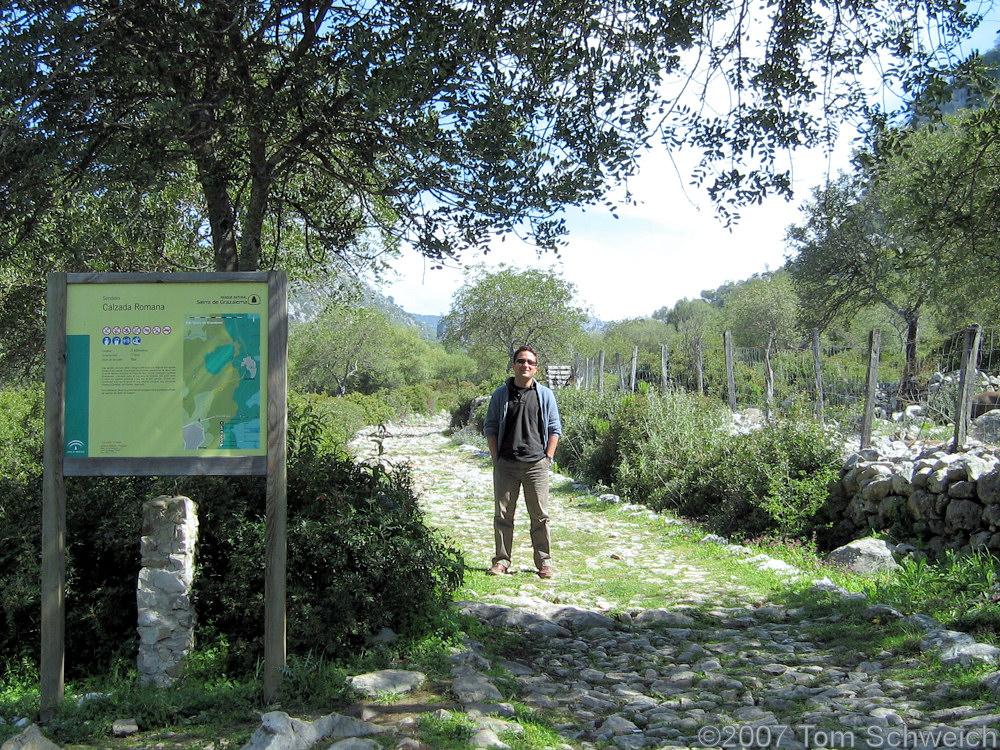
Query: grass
{"points": [[213, 709]]}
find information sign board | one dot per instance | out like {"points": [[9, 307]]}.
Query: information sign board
{"points": [[166, 370]]}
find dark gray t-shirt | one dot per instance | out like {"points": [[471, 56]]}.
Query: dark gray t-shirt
{"points": [[522, 435]]}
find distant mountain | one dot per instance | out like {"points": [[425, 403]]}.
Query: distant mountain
{"points": [[306, 302], [427, 324], [430, 322]]}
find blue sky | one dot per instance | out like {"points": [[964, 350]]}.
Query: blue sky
{"points": [[667, 247]]}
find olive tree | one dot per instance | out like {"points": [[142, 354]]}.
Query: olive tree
{"points": [[496, 311], [760, 306], [851, 253], [355, 348]]}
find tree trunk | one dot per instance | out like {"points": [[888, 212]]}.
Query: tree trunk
{"points": [[221, 217], [260, 190], [908, 384]]}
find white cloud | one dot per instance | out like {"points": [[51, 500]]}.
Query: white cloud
{"points": [[658, 251], [667, 247]]}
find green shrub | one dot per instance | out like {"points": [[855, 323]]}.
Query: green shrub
{"points": [[351, 532], [772, 479], [22, 424], [326, 422], [451, 396], [665, 445], [675, 451], [649, 447], [591, 426], [375, 409], [410, 399]]}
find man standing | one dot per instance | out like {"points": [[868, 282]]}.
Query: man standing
{"points": [[522, 428]]}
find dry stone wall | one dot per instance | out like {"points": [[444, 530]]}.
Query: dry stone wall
{"points": [[924, 494]]}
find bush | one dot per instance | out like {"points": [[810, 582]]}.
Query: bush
{"points": [[665, 445], [451, 396], [649, 447], [591, 427], [375, 409], [675, 451], [773, 479], [351, 531], [410, 399]]}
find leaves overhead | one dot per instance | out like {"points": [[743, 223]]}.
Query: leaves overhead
{"points": [[434, 122]]}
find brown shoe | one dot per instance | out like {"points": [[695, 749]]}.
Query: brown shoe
{"points": [[545, 572], [497, 569]]}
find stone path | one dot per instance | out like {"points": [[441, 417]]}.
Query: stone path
{"points": [[713, 665]]}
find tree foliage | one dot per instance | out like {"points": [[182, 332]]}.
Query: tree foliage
{"points": [[430, 121], [495, 312], [854, 252], [763, 305], [943, 178], [355, 348]]}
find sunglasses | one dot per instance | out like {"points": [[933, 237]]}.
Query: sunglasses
{"points": [[525, 362]]}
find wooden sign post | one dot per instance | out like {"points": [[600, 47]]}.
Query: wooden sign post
{"points": [[198, 362]]}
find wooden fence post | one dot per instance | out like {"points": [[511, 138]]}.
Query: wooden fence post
{"points": [[635, 367], [871, 385], [664, 381], [600, 372], [768, 378], [621, 371], [727, 339], [818, 373], [966, 383], [699, 364]]}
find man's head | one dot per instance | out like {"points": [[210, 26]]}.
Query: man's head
{"points": [[525, 365]]}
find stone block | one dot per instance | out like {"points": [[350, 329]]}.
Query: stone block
{"points": [[963, 515], [988, 488], [890, 509], [921, 505], [877, 488], [963, 489], [938, 481], [980, 540], [922, 476], [867, 555]]}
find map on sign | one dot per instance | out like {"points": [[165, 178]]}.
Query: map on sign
{"points": [[222, 394]]}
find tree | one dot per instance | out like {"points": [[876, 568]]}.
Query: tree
{"points": [[453, 367], [943, 179], [619, 338], [350, 348], [430, 121], [852, 253], [762, 305], [119, 229], [495, 312]]}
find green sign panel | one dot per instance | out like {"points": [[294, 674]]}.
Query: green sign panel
{"points": [[165, 370]]}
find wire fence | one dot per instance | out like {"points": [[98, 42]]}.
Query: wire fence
{"points": [[834, 378]]}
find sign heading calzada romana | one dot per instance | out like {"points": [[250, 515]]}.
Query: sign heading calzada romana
{"points": [[166, 370]]}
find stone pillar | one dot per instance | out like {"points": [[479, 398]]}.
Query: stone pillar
{"points": [[166, 614]]}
